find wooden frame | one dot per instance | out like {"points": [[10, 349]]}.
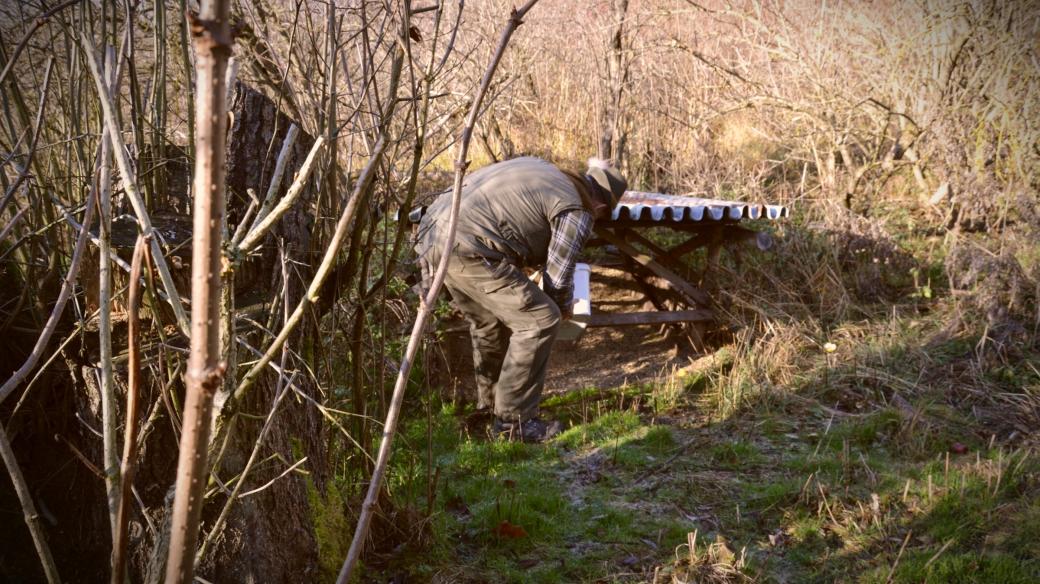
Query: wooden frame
{"points": [[642, 255]]}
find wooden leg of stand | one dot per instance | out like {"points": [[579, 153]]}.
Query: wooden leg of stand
{"points": [[692, 294]]}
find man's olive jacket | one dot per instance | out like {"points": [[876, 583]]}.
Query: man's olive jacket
{"points": [[505, 212]]}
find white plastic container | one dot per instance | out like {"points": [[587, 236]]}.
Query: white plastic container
{"points": [[573, 329]]}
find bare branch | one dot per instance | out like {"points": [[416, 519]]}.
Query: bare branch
{"points": [[205, 369], [130, 435], [425, 308], [32, 518]]}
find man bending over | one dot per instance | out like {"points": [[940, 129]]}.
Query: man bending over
{"points": [[519, 213]]}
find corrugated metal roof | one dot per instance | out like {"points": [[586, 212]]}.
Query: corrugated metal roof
{"points": [[642, 206], [659, 207]]}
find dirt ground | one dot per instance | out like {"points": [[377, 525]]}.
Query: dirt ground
{"points": [[604, 357]]}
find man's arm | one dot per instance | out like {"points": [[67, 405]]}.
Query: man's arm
{"points": [[570, 230]]}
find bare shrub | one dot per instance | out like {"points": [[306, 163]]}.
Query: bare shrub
{"points": [[994, 285]]}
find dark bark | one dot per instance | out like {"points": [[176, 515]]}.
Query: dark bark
{"points": [[269, 536]]}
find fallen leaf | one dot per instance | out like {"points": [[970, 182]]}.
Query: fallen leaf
{"points": [[507, 530], [958, 448]]}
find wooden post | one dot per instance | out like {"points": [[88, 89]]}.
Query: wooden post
{"points": [[205, 369]]}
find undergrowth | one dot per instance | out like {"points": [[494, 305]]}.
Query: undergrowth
{"points": [[854, 466]]}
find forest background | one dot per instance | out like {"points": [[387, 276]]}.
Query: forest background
{"points": [[893, 326]]}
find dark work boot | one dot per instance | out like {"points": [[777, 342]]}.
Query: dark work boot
{"points": [[533, 430], [477, 421]]}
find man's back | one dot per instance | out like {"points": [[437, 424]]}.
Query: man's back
{"points": [[505, 211]]}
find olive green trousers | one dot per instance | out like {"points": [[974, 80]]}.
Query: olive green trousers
{"points": [[512, 324]]}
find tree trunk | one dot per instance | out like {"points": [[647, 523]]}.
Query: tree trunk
{"points": [[612, 135], [268, 537]]}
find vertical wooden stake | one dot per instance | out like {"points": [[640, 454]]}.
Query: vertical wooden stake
{"points": [[109, 422]]}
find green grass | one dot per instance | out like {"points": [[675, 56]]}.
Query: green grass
{"points": [[796, 509], [570, 498], [957, 568]]}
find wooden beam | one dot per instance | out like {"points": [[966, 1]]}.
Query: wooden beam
{"points": [[697, 241], [693, 295], [657, 317], [660, 255], [639, 276]]}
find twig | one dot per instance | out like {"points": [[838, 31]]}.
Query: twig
{"points": [[425, 308], [242, 227], [325, 268], [895, 564], [37, 23], [934, 557], [32, 519], [130, 436], [14, 221], [326, 412], [284, 385], [37, 128], [276, 177], [272, 481], [109, 422], [67, 288], [91, 237], [264, 222], [218, 525]]}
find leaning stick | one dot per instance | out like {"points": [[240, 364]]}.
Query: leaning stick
{"points": [[130, 435], [324, 269], [67, 288], [130, 184], [367, 508], [109, 421], [32, 518], [276, 178], [265, 221]]}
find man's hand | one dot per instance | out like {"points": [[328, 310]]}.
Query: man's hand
{"points": [[566, 313]]}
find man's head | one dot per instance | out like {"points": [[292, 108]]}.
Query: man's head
{"points": [[610, 182]]}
